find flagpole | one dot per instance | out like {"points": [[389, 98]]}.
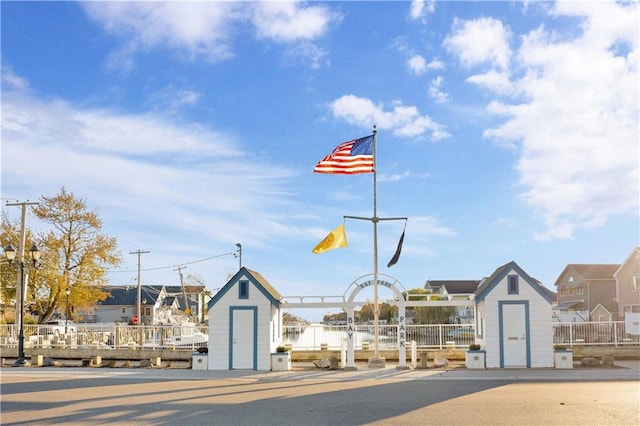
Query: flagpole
{"points": [[376, 361]]}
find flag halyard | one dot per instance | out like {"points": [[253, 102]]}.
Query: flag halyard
{"points": [[349, 158]]}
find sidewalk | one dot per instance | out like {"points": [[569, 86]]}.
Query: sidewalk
{"points": [[623, 370]]}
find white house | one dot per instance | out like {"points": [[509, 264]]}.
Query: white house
{"points": [[513, 321], [245, 323]]}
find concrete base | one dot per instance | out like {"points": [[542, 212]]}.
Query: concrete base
{"points": [[402, 367], [350, 368], [37, 360], [378, 362]]}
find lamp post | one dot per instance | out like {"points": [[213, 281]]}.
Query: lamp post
{"points": [[239, 255], [10, 254], [66, 311]]}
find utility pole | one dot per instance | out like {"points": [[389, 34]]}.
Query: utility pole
{"points": [[184, 292], [23, 239], [138, 307]]}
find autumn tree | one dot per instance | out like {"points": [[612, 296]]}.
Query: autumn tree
{"points": [[10, 234], [75, 256]]}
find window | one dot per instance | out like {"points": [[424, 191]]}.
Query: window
{"points": [[123, 310], [513, 284], [636, 282], [147, 311], [243, 290]]}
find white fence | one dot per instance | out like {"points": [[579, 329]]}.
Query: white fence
{"points": [[308, 337], [106, 336]]}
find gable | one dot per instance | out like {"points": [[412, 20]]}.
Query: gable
{"points": [[632, 263], [576, 272], [488, 284], [257, 280]]}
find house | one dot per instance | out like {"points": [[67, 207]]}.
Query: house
{"points": [[159, 304], [627, 278], [513, 321], [196, 299], [121, 305], [245, 323], [454, 290], [588, 288]]}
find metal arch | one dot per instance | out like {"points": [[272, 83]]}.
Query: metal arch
{"points": [[357, 287]]}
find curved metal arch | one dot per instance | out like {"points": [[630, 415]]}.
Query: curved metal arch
{"points": [[360, 284]]}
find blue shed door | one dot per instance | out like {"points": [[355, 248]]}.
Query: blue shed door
{"points": [[514, 335], [243, 338]]}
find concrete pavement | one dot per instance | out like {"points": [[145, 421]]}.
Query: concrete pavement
{"points": [[311, 396], [622, 370]]}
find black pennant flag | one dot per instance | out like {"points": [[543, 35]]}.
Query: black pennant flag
{"points": [[396, 255]]}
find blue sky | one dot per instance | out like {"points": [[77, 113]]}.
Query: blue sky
{"points": [[506, 131]]}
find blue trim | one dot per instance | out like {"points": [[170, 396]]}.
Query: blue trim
{"points": [[233, 281], [243, 289], [255, 333], [511, 266], [516, 284], [527, 326]]}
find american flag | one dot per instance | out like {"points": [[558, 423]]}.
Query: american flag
{"points": [[349, 158]]}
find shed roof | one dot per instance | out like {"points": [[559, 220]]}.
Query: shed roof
{"points": [[489, 283], [258, 280]]}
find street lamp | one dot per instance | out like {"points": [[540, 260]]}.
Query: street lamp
{"points": [[10, 254], [66, 311], [239, 255]]}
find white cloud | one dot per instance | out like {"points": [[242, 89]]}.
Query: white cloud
{"points": [[172, 99], [289, 21], [397, 177], [417, 64], [419, 8], [204, 29], [577, 120], [192, 181], [480, 41], [436, 64], [435, 91], [402, 120]]}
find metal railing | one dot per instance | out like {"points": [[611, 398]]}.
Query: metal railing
{"points": [[105, 336], [304, 337], [428, 336]]}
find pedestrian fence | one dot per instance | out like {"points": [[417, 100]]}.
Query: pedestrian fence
{"points": [[304, 337]]}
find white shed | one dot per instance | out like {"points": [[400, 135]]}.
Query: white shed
{"points": [[513, 319], [245, 323]]}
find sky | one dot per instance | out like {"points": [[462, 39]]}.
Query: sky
{"points": [[506, 131]]}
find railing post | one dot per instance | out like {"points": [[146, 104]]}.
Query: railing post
{"points": [[571, 334]]}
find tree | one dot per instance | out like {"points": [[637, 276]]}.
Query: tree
{"points": [[75, 256], [10, 232], [430, 315]]}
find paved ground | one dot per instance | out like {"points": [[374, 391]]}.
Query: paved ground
{"points": [[306, 396]]}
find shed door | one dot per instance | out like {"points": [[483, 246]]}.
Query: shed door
{"points": [[514, 335], [242, 339]]}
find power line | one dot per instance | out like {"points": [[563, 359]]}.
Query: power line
{"points": [[172, 266]]}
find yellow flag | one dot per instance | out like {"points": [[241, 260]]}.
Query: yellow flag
{"points": [[336, 239]]}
